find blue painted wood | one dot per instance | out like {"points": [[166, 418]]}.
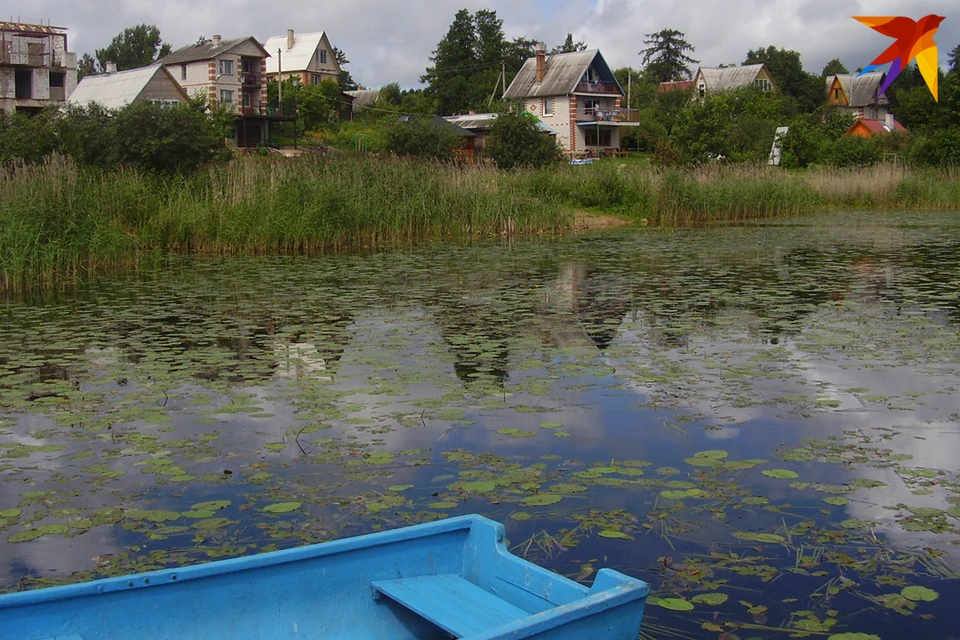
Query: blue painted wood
{"points": [[324, 591], [456, 605]]}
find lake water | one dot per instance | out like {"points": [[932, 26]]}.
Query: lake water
{"points": [[761, 421]]}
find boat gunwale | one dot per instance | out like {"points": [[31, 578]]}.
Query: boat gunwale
{"points": [[164, 577]]}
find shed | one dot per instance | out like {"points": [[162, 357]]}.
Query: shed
{"points": [[118, 89]]}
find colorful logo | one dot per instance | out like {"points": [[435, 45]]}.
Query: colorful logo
{"points": [[914, 40]]}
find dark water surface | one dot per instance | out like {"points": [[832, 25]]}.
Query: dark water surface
{"points": [[761, 421]]}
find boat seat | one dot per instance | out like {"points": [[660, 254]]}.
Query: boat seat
{"points": [[454, 604]]}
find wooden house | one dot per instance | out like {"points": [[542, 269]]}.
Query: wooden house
{"points": [[859, 95], [869, 127], [116, 89], [710, 80]]}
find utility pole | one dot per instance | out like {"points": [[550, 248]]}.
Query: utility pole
{"points": [[503, 72], [279, 85]]}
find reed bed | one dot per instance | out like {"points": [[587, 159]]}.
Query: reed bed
{"points": [[59, 222]]}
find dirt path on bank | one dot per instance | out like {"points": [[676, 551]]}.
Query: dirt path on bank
{"points": [[586, 220]]}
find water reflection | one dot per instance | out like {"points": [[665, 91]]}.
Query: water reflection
{"points": [[574, 383]]}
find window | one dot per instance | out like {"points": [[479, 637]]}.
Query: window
{"points": [[323, 56], [246, 99], [168, 104], [702, 89], [548, 106], [245, 65], [57, 79], [590, 107], [226, 67], [595, 138], [183, 72], [226, 96], [764, 84], [314, 79]]}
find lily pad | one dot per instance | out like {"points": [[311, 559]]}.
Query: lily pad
{"points": [[781, 474], [712, 599], [676, 604], [283, 507], [541, 500], [919, 594], [749, 536], [618, 535]]}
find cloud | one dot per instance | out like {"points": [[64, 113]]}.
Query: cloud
{"points": [[392, 42]]}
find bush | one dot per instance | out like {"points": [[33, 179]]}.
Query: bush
{"points": [[516, 141], [853, 151], [425, 138], [940, 150]]}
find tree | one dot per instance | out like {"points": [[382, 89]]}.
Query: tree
{"points": [[86, 66], [135, 47], [807, 89], [515, 140], [347, 83], [665, 58], [833, 68], [427, 138], [569, 46], [467, 62]]}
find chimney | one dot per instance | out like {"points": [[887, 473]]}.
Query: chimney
{"points": [[111, 67], [216, 41], [541, 61], [888, 121], [289, 39]]}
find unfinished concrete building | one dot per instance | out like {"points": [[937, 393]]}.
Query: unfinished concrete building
{"points": [[35, 67]]}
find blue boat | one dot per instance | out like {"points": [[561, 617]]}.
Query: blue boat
{"points": [[448, 578]]}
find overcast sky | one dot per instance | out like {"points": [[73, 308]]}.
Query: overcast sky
{"points": [[391, 41]]}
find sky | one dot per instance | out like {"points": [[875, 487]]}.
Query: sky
{"points": [[389, 41]]}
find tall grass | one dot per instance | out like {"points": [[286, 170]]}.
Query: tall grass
{"points": [[59, 221]]}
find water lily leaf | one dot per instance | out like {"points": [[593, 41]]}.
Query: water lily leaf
{"points": [[24, 536], [618, 535], [782, 474], [715, 454], [748, 536], [856, 635], [551, 425], [919, 594], [379, 457], [482, 486], [399, 487], [212, 505], [520, 516], [443, 504], [676, 604], [541, 500], [853, 523], [55, 529], [837, 501], [282, 507], [10, 513], [712, 599]]}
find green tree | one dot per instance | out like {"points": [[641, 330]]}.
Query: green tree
{"points": [[135, 47], [467, 62], [347, 83], [665, 57], [833, 68], [86, 66], [807, 90], [515, 140], [569, 46]]}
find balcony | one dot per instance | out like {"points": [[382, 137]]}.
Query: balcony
{"points": [[250, 79], [597, 87], [262, 111], [601, 114]]}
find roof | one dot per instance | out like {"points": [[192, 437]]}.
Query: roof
{"points": [[725, 78], [675, 85], [207, 50], [115, 90], [877, 126], [484, 122], [437, 121], [31, 29], [298, 58], [861, 90], [564, 71], [363, 97]]}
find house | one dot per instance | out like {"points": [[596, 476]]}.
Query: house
{"points": [[115, 89], [361, 99], [229, 73], [859, 95], [480, 124], [869, 127], [709, 80], [35, 67], [577, 95], [675, 85], [308, 57]]}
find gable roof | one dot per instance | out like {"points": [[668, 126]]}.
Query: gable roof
{"points": [[725, 78], [363, 97], [675, 85], [298, 58], [116, 90], [876, 126], [564, 71], [208, 50], [861, 90]]}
